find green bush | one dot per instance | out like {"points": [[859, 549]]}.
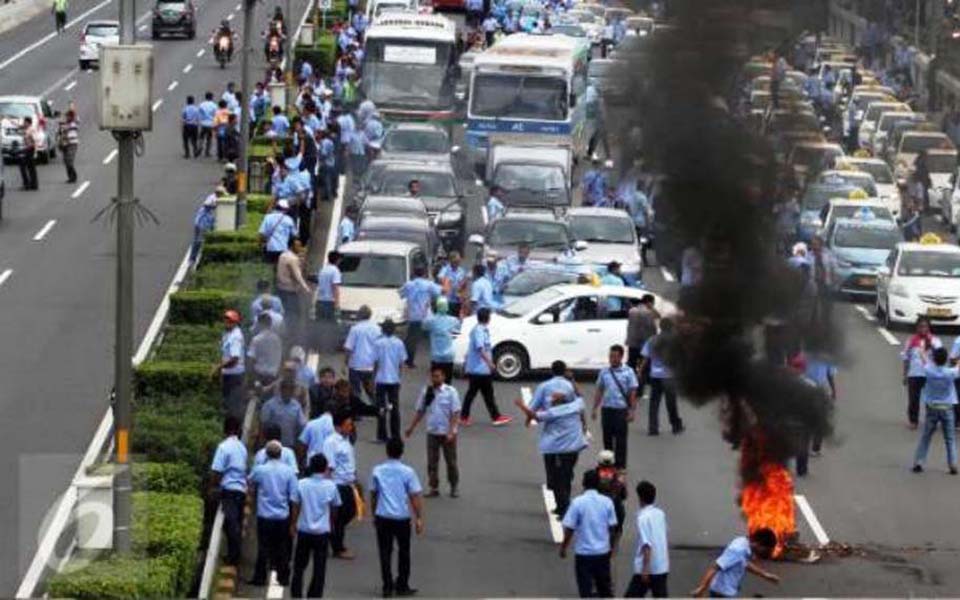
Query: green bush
{"points": [[207, 354], [157, 379], [206, 306], [257, 203], [168, 526], [231, 252], [322, 55], [167, 478], [248, 232], [118, 578], [232, 276], [192, 334], [185, 433], [263, 147]]}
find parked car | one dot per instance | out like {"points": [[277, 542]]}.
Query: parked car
{"points": [[417, 141], [12, 111], [373, 273], [548, 236], [400, 228], [920, 280], [860, 246], [393, 205], [174, 17], [94, 35], [607, 234]]}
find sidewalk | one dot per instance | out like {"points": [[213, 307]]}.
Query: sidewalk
{"points": [[15, 12]]}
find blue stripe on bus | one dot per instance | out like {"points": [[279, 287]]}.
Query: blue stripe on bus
{"points": [[503, 125]]}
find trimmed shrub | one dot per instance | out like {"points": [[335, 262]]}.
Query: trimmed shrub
{"points": [[232, 276], [206, 306], [257, 203], [189, 353], [231, 252], [248, 233], [192, 334], [168, 526], [178, 432], [322, 55], [118, 578], [155, 379], [167, 478]]}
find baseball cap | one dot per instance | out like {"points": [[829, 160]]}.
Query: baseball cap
{"points": [[283, 205], [605, 457], [210, 200]]}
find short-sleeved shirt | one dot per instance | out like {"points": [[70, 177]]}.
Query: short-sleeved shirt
{"points": [[340, 457], [590, 516], [915, 356], [280, 124], [543, 394], [446, 402], [394, 483], [478, 345], [390, 353], [495, 209], [456, 276], [481, 294], [641, 325], [276, 488], [315, 433], [561, 427], [266, 350], [288, 415], [328, 276], [208, 109], [287, 457], [361, 344], [231, 346], [190, 115], [346, 231], [419, 293], [658, 368], [277, 227], [230, 460], [652, 533], [607, 382], [265, 302], [939, 389], [820, 371], [441, 329], [731, 565], [317, 494]]}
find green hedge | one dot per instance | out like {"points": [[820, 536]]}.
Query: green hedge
{"points": [[206, 306], [249, 232], [167, 478], [188, 353], [157, 379], [118, 578], [257, 203], [225, 252], [263, 147], [168, 526], [322, 55], [232, 276], [185, 433], [192, 334]]}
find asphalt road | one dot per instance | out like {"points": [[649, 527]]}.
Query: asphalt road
{"points": [[56, 304]]}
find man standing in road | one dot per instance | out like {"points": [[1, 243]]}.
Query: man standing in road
{"points": [[394, 491], [651, 562], [390, 354], [419, 294], [60, 15], [453, 279], [724, 576], [361, 354], [479, 367], [190, 128], [28, 156], [939, 397], [441, 328], [208, 110], [481, 291], [319, 500], [343, 465], [329, 279], [495, 208], [616, 401], [440, 403], [69, 142], [228, 484], [641, 326], [284, 411], [662, 383], [290, 285], [231, 368], [274, 484], [592, 520]]}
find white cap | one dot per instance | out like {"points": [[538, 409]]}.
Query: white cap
{"points": [[283, 204], [210, 200]]}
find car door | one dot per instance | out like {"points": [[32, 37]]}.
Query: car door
{"points": [[555, 334], [884, 277]]}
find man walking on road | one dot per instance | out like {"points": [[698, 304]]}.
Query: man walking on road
{"points": [[616, 400], [441, 328], [228, 484], [440, 403], [662, 383], [651, 562], [641, 326], [190, 128], [361, 353], [290, 284], [724, 576], [939, 397], [390, 354], [28, 156], [343, 467], [231, 367], [60, 15], [319, 500], [478, 366], [419, 293], [592, 520], [274, 484], [329, 279], [394, 491]]}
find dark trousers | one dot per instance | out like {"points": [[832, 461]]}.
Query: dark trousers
{"points": [[361, 382], [593, 572], [803, 453], [60, 17], [325, 310], [447, 369], [436, 444], [206, 140], [613, 422], [315, 546], [190, 134], [412, 340], [388, 531], [484, 385], [914, 386], [489, 35], [663, 388], [345, 514], [28, 170], [69, 161], [304, 221], [232, 504], [638, 589], [273, 547], [291, 310], [221, 147], [559, 467], [231, 387], [388, 405], [328, 181]]}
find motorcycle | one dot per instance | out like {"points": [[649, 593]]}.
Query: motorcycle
{"points": [[222, 49]]}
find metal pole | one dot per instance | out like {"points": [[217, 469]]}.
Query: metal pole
{"points": [[916, 25], [123, 354], [249, 10], [288, 52]]}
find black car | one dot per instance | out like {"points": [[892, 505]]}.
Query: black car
{"points": [[176, 17]]}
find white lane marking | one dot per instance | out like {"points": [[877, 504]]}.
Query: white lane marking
{"points": [[51, 35], [239, 6], [156, 105], [70, 86], [44, 230], [812, 519], [891, 339], [173, 85], [188, 68], [865, 312], [667, 275], [230, 16], [274, 589], [527, 396], [5, 276], [335, 216], [556, 528], [80, 190], [142, 27], [61, 82], [201, 52], [110, 157]]}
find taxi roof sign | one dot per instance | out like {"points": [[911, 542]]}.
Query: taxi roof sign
{"points": [[930, 239], [858, 194]]}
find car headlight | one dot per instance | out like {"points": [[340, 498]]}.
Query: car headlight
{"points": [[450, 217], [899, 290]]}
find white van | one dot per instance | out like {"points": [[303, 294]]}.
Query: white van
{"points": [[375, 8]]}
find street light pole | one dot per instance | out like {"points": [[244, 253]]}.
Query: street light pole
{"points": [[288, 52], [916, 25], [249, 12]]}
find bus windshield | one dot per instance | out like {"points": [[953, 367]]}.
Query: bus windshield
{"points": [[519, 97], [409, 74]]}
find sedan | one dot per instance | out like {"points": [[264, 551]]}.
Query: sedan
{"points": [[96, 34]]}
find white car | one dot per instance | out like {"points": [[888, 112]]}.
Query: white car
{"points": [[94, 35], [609, 235], [920, 280], [887, 188], [875, 110], [373, 273], [12, 111], [573, 323]]}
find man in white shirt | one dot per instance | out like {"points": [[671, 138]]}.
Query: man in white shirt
{"points": [[651, 562]]}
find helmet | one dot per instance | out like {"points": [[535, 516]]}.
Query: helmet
{"points": [[605, 457]]}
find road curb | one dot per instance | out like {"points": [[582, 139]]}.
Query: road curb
{"points": [[20, 11]]}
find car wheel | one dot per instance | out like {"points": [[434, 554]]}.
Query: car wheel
{"points": [[191, 34], [511, 361], [84, 65]]}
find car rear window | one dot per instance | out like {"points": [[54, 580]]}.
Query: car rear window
{"points": [[103, 30]]}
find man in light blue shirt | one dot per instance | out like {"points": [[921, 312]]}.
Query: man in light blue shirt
{"points": [[343, 466], [613, 277], [319, 500], [478, 366], [389, 357], [725, 575], [279, 125], [231, 366], [439, 404], [495, 208], [651, 561], [514, 264], [592, 519], [662, 383], [208, 109], [939, 397], [228, 484], [271, 431], [314, 434], [264, 301], [419, 294], [395, 493], [616, 400], [204, 221], [441, 328], [361, 354], [453, 279], [275, 487], [329, 279], [347, 228], [481, 290], [917, 351], [286, 412], [190, 128], [276, 229]]}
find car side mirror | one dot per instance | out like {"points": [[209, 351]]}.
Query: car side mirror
{"points": [[580, 245], [475, 239], [455, 150], [544, 319], [883, 270]]}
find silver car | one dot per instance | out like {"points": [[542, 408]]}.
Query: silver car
{"points": [[96, 34], [605, 235], [13, 109]]}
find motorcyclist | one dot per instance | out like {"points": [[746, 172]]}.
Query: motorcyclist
{"points": [[276, 34], [221, 32], [278, 20]]}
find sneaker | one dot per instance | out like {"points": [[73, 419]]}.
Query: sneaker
{"points": [[918, 468], [407, 592], [953, 470], [466, 421], [679, 429], [454, 493], [502, 420]]}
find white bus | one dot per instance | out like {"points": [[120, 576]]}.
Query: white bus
{"points": [[529, 85], [410, 66]]}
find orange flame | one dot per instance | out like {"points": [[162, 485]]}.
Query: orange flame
{"points": [[768, 501]]}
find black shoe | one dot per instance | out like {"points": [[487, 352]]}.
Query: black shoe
{"points": [[387, 593], [679, 429], [407, 592], [918, 468], [653, 433], [953, 470], [257, 582]]}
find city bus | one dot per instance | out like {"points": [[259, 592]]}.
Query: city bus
{"points": [[410, 67], [529, 87]]}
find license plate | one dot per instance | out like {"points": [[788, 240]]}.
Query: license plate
{"points": [[939, 312], [867, 281]]}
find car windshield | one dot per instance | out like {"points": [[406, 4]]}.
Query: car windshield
{"points": [[915, 144], [929, 264], [15, 110], [526, 304], [878, 108], [878, 238], [879, 171], [411, 85], [860, 101], [519, 97], [571, 30], [848, 211], [103, 30], [853, 179], [371, 270], [176, 6], [396, 183], [416, 141], [941, 163], [815, 157], [817, 196], [887, 123], [609, 230], [408, 206], [383, 7], [540, 234], [529, 282], [534, 178]]}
